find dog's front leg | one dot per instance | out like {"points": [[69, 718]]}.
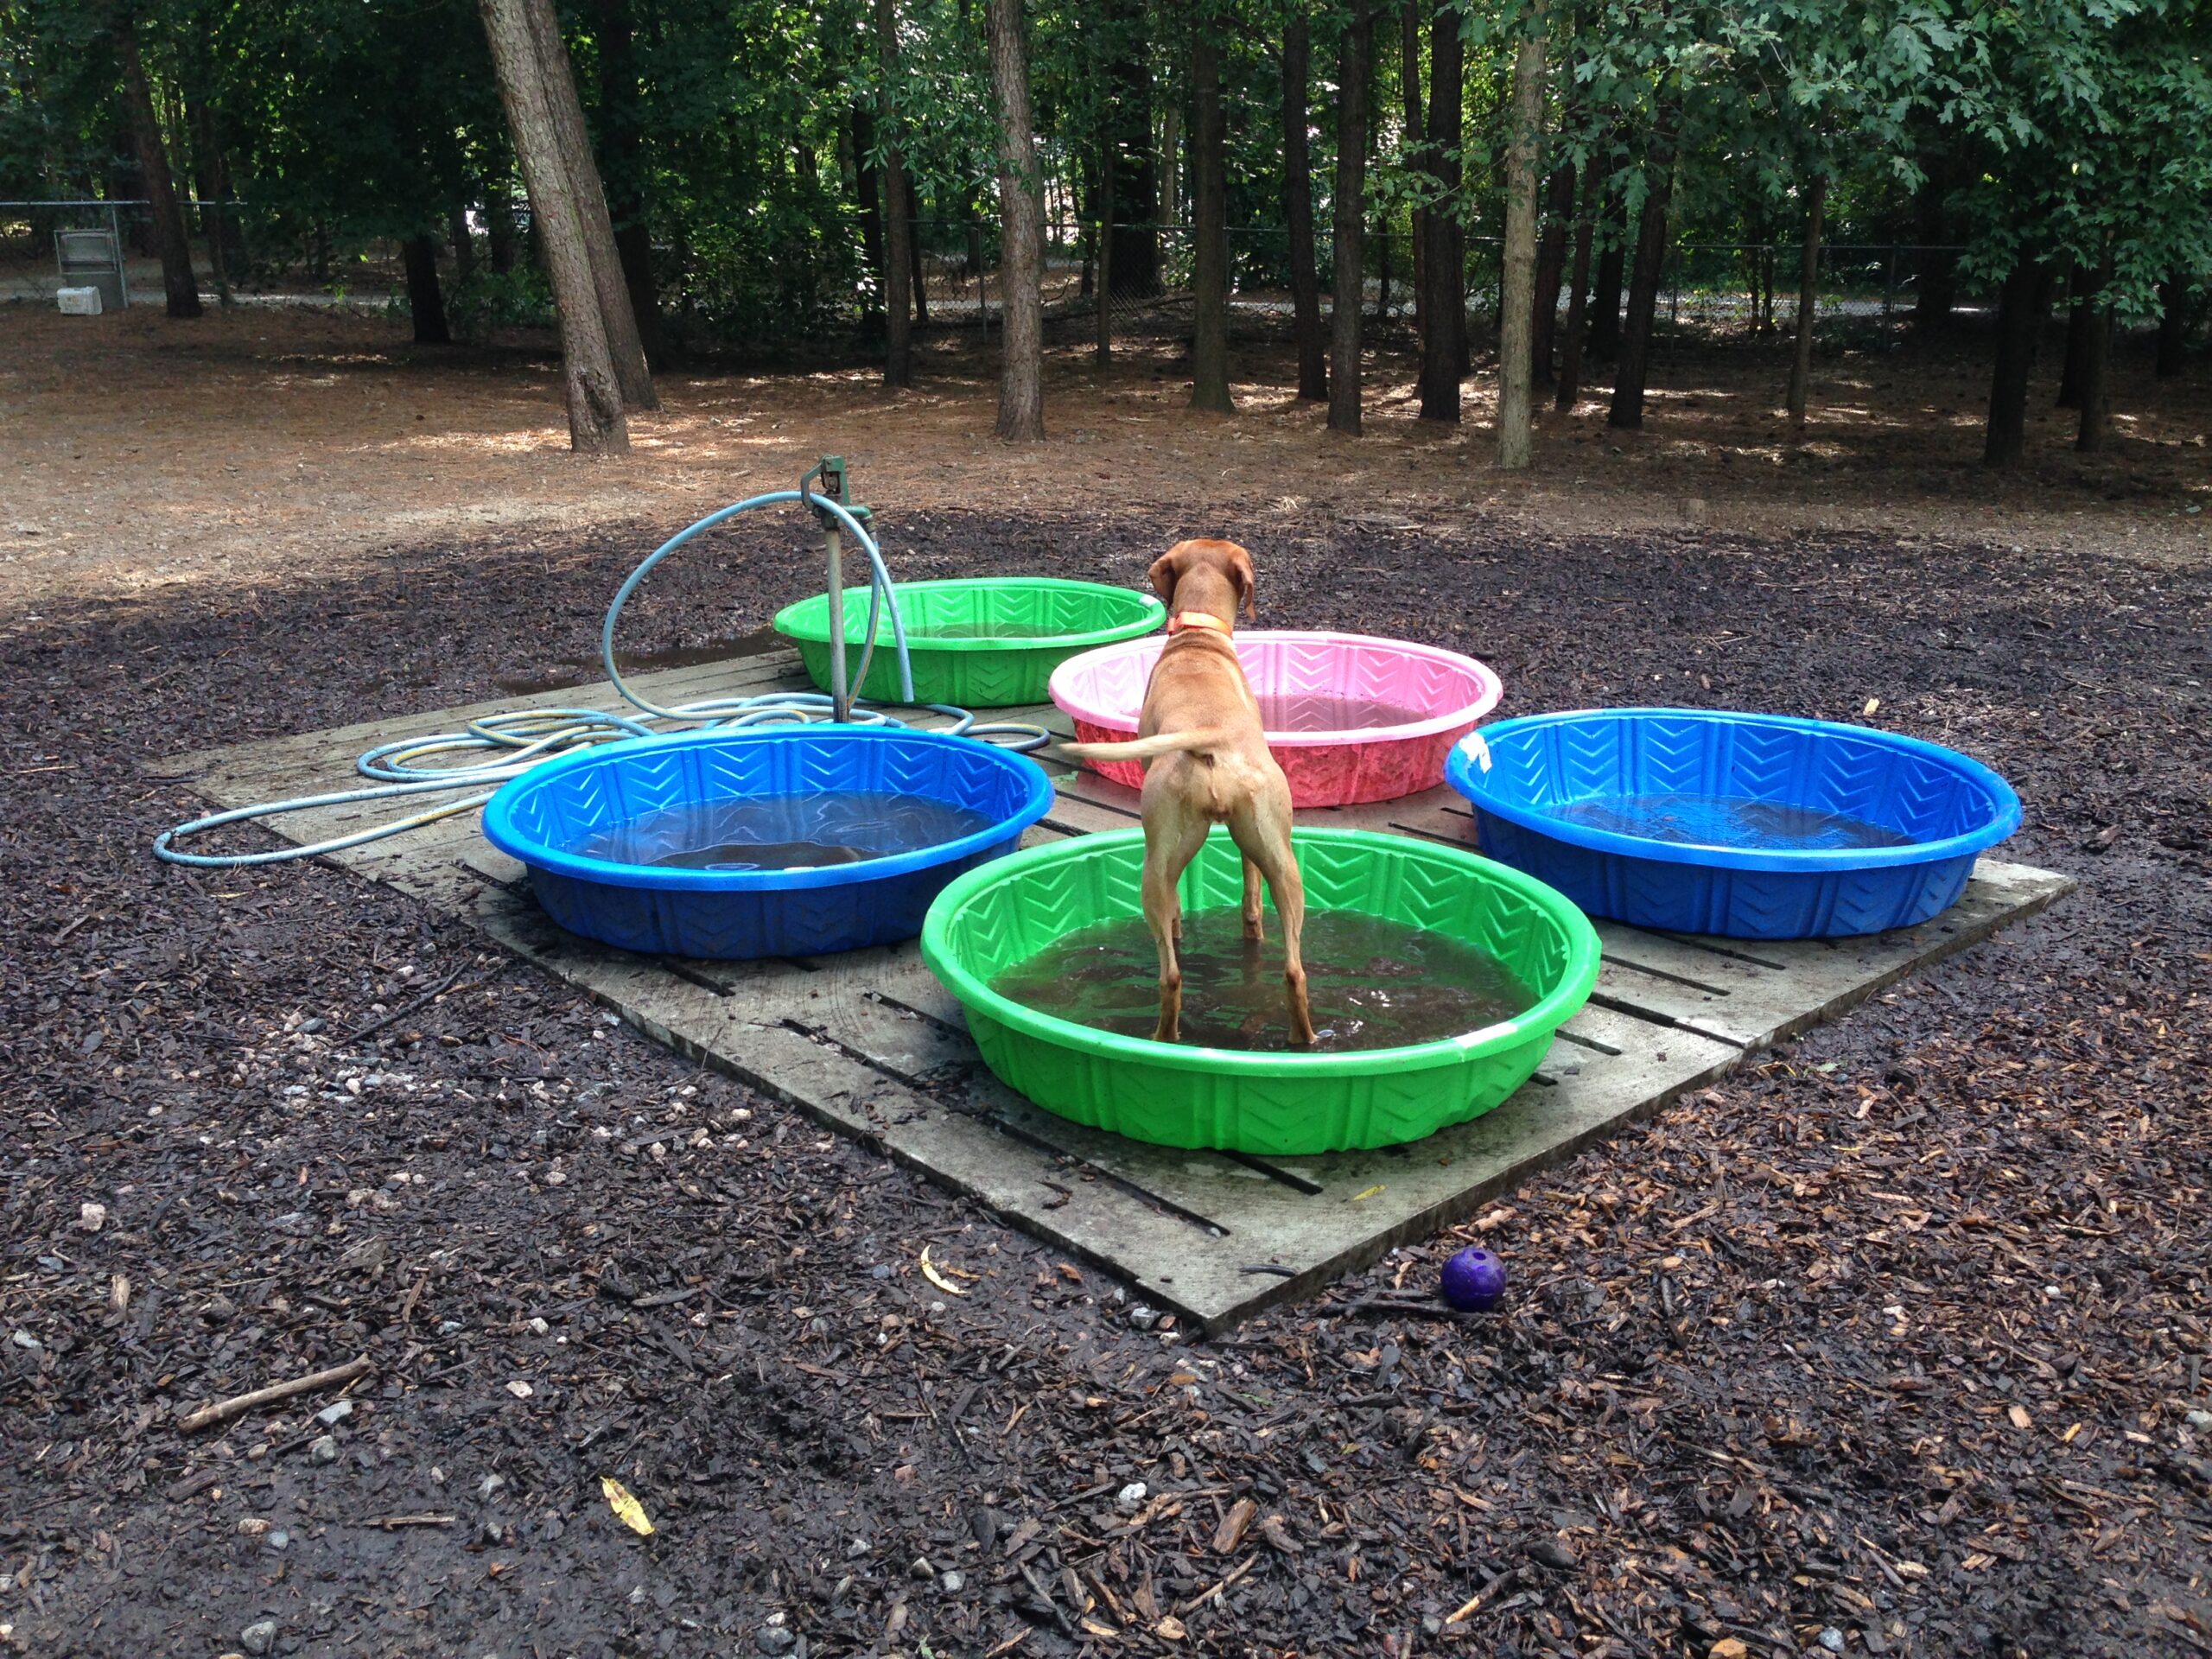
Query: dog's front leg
{"points": [[1254, 930]]}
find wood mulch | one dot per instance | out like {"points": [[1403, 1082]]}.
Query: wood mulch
{"points": [[1888, 1346]]}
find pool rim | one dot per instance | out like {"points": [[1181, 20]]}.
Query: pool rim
{"points": [[1152, 615], [1492, 692], [1462, 770], [1542, 1018], [500, 831]]}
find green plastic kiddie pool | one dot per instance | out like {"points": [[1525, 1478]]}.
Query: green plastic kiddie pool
{"points": [[1279, 1104], [981, 643]]}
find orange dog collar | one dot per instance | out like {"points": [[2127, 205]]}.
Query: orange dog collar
{"points": [[1205, 620]]}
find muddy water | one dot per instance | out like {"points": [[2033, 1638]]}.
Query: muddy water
{"points": [[783, 832], [1373, 983]]}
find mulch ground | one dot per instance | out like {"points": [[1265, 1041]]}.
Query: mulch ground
{"points": [[1889, 1344]]}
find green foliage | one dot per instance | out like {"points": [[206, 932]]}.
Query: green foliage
{"points": [[492, 299], [2064, 130]]}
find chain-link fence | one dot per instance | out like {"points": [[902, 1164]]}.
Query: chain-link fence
{"points": [[238, 256], [1712, 288], [1716, 288]]}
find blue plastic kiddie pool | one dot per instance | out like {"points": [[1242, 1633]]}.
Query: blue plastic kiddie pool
{"points": [[1750, 826], [779, 840]]}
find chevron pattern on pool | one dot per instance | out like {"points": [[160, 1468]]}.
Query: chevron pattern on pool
{"points": [[1168, 1100], [1103, 691], [556, 812], [1621, 759], [973, 672]]}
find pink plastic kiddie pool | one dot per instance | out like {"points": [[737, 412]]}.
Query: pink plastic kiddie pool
{"points": [[1350, 718]]}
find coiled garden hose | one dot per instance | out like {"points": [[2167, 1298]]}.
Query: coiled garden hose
{"points": [[519, 739]]}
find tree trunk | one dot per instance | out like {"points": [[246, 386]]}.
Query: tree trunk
{"points": [[596, 424], [1577, 298], [1627, 411], [1021, 369], [2173, 325], [619, 320], [1937, 272], [1444, 308], [1171, 174], [211, 183], [1348, 274], [1297, 213], [1416, 147], [859, 139], [1551, 272], [1208, 191], [2096, 367], [425, 302], [1516, 315], [499, 226], [916, 270], [464, 244], [178, 283], [2019, 320], [623, 131], [1103, 348], [2080, 286], [898, 230], [1132, 265], [868, 196], [1606, 296], [1381, 234], [1809, 292]]}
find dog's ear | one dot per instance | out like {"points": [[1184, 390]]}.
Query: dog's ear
{"points": [[1240, 567], [1165, 571]]}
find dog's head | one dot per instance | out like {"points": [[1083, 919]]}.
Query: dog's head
{"points": [[1208, 574]]}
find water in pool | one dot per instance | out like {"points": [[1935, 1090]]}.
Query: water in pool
{"points": [[1718, 821], [783, 832], [986, 629], [1373, 983], [1324, 711]]}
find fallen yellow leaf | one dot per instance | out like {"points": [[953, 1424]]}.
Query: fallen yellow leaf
{"points": [[931, 1273], [1370, 1193], [627, 1509]]}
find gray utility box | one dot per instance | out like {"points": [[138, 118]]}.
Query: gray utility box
{"points": [[93, 259]]}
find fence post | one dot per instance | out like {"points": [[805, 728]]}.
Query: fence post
{"points": [[122, 264], [1889, 292], [1100, 288], [983, 291]]}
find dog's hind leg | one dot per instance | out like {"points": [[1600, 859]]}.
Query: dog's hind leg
{"points": [[1254, 930], [1261, 831], [1170, 842]]}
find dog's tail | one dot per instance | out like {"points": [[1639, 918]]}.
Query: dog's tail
{"points": [[1145, 748]]}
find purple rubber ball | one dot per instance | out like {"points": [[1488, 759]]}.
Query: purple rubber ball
{"points": [[1473, 1281]]}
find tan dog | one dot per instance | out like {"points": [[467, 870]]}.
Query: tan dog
{"points": [[1206, 762]]}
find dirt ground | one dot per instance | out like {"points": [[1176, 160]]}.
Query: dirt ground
{"points": [[1890, 1344], [141, 453]]}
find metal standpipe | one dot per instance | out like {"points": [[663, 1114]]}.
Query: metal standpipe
{"points": [[836, 484]]}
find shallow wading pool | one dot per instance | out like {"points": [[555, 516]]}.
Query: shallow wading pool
{"points": [[1181, 1095], [782, 841], [1349, 717], [981, 643], [1750, 826]]}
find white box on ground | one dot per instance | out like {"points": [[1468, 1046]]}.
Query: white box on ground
{"points": [[78, 301]]}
